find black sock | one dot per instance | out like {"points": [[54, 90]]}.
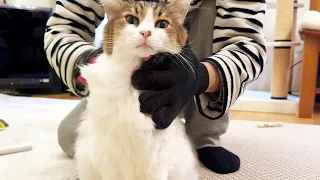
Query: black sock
{"points": [[219, 160]]}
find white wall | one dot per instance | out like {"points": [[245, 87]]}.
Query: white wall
{"points": [[99, 32], [264, 82]]}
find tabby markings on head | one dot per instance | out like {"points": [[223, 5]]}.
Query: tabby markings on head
{"points": [[156, 1], [145, 27]]}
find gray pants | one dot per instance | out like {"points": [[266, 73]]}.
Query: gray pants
{"points": [[202, 131]]}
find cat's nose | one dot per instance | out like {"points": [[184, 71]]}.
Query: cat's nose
{"points": [[145, 34]]}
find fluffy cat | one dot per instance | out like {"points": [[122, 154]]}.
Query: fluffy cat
{"points": [[116, 141]]}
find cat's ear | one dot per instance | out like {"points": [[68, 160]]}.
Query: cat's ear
{"points": [[179, 9], [112, 8]]}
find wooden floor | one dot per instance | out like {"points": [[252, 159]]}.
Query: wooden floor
{"points": [[240, 115], [59, 96]]}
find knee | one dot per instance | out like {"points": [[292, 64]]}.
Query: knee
{"points": [[220, 126], [67, 131], [65, 139]]}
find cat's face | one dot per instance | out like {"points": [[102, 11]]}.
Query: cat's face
{"points": [[145, 28]]}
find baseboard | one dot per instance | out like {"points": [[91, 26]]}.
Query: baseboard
{"points": [[259, 101]]}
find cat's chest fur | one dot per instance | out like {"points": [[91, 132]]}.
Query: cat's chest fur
{"points": [[112, 95], [114, 127], [118, 142]]}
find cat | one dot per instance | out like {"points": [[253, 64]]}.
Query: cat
{"points": [[115, 140]]}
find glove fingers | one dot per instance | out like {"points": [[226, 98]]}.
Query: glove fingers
{"points": [[151, 100], [164, 116], [161, 62], [151, 80]]}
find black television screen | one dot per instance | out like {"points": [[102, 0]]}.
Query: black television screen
{"points": [[22, 56]]}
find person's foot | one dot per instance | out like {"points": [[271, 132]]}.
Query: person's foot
{"points": [[219, 160]]}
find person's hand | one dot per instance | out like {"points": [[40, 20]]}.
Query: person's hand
{"points": [[80, 83], [170, 82]]}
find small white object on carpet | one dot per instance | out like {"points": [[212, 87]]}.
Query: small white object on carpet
{"points": [[15, 149], [290, 152], [269, 124]]}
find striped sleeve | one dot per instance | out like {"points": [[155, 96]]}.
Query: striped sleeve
{"points": [[70, 32], [239, 53]]}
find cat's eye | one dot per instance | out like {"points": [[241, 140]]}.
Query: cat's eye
{"points": [[132, 20], [162, 24]]}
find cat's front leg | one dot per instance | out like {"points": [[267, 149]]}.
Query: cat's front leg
{"points": [[191, 174], [159, 175], [85, 170]]}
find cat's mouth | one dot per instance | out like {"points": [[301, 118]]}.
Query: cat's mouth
{"points": [[144, 46]]}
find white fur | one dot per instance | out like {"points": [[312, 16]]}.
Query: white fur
{"points": [[310, 20], [116, 141]]}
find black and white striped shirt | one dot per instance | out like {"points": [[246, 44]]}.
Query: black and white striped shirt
{"points": [[238, 45]]}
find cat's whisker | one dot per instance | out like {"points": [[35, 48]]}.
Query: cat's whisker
{"points": [[202, 8], [191, 67], [197, 34], [182, 60], [171, 58], [167, 48], [169, 55], [185, 58]]}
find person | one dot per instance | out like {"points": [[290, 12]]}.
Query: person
{"points": [[226, 36]]}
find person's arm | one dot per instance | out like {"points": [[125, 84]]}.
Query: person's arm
{"points": [[69, 36], [239, 54]]}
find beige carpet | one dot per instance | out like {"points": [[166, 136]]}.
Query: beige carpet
{"points": [[291, 152]]}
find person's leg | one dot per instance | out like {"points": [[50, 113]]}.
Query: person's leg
{"points": [[67, 134], [205, 136], [206, 133]]}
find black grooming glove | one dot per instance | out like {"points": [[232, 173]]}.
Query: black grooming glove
{"points": [[170, 82]]}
